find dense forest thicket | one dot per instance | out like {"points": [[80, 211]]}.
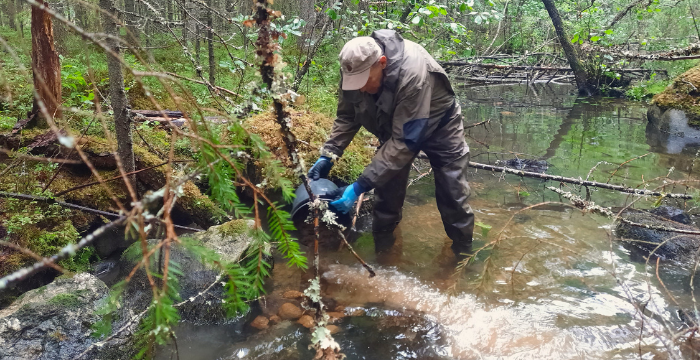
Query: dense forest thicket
{"points": [[84, 86]]}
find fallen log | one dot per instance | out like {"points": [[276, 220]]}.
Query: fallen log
{"points": [[688, 53], [581, 182], [159, 113], [540, 68]]}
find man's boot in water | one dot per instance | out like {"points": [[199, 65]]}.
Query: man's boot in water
{"points": [[462, 250], [388, 250]]}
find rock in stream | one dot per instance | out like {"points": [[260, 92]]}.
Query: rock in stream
{"points": [[673, 246], [53, 322]]}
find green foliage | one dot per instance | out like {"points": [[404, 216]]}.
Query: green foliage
{"points": [[44, 229], [107, 311], [157, 326], [484, 228], [644, 91]]}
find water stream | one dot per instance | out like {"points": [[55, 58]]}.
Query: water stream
{"points": [[558, 285]]}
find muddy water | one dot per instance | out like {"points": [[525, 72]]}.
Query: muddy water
{"points": [[557, 286]]}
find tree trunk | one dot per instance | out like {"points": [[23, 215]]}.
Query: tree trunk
{"points": [[410, 5], [197, 46], [19, 6], [210, 35], [308, 14], [11, 13], [130, 19], [46, 66], [81, 17], [183, 17], [579, 72], [122, 120]]}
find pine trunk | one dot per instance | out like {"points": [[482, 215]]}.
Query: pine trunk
{"points": [[579, 71], [130, 19], [11, 13], [210, 36], [122, 120], [46, 66], [183, 17]]}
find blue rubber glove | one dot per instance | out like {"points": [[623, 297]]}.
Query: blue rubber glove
{"points": [[347, 199], [321, 168]]}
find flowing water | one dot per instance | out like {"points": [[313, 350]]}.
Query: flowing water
{"points": [[557, 285]]}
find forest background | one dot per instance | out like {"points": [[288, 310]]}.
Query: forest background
{"points": [[203, 59]]}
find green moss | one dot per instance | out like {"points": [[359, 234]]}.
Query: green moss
{"points": [[66, 300], [233, 227], [683, 94], [200, 206]]}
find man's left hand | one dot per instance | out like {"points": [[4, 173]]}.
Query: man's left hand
{"points": [[347, 199]]}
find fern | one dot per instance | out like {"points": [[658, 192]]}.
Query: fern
{"points": [[156, 327], [280, 223]]}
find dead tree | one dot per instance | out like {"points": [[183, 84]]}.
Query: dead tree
{"points": [[46, 66], [122, 119], [579, 71]]}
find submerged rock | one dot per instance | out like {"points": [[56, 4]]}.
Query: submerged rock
{"points": [[53, 322], [671, 130], [670, 245], [289, 311], [229, 240], [260, 322]]}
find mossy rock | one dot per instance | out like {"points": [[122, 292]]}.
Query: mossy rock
{"points": [[227, 242], [199, 207], [683, 94], [54, 322]]}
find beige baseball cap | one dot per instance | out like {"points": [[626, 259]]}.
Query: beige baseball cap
{"points": [[356, 59]]}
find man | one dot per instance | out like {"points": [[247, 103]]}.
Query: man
{"points": [[399, 93]]}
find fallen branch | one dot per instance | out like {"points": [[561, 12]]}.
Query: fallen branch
{"points": [[369, 268], [159, 113], [579, 181], [477, 124], [47, 200], [590, 206]]}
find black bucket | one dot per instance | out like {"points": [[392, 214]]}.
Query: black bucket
{"points": [[320, 187]]}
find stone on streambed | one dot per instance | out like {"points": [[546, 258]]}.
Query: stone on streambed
{"points": [[53, 322], [289, 311], [681, 247], [229, 240], [260, 322]]}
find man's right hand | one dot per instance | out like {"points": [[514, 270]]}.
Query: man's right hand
{"points": [[321, 168]]}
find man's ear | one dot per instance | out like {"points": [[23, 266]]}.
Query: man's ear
{"points": [[382, 61]]}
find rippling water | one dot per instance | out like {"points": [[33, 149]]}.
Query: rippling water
{"points": [[557, 285]]}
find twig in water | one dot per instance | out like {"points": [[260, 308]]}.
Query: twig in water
{"points": [[477, 124], [369, 268], [621, 165]]}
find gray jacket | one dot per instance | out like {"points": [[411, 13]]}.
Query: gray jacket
{"points": [[415, 105]]}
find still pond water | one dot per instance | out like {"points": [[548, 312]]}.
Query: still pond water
{"points": [[558, 285]]}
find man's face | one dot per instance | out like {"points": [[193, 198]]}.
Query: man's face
{"points": [[376, 75]]}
